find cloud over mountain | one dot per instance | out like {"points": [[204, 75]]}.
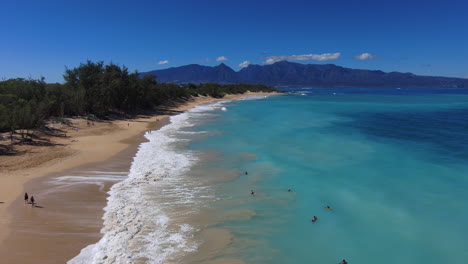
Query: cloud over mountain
{"points": [[221, 58], [163, 62], [365, 56], [244, 64], [318, 57]]}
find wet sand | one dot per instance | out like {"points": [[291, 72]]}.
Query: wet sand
{"points": [[69, 216]]}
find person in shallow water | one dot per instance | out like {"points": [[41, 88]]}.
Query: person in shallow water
{"points": [[328, 207], [252, 192], [289, 190], [314, 219], [343, 262], [246, 173]]}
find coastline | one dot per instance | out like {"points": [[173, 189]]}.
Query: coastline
{"points": [[83, 147]]}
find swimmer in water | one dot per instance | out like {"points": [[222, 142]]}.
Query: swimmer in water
{"points": [[328, 207], [246, 173], [252, 192], [289, 190], [314, 219], [343, 262]]}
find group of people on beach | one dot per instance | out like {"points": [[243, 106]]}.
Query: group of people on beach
{"points": [[29, 201], [314, 219]]}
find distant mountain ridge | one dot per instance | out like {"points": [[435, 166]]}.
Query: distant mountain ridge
{"points": [[286, 73]]}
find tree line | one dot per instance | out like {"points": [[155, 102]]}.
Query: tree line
{"points": [[98, 89]]}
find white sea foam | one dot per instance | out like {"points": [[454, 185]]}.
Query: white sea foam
{"points": [[95, 178], [139, 217], [254, 97], [303, 92]]}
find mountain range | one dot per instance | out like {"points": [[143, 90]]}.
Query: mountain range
{"points": [[286, 73]]}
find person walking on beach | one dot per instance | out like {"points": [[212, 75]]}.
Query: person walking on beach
{"points": [[26, 198], [32, 201]]}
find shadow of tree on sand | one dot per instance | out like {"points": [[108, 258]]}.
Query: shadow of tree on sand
{"points": [[7, 150]]}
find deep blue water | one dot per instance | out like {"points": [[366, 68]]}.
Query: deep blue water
{"points": [[392, 164]]}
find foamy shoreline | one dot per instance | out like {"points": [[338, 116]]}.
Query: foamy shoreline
{"points": [[84, 149]]}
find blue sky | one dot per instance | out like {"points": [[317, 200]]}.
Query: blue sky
{"points": [[40, 38]]}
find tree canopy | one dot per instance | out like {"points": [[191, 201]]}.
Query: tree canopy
{"points": [[98, 89]]}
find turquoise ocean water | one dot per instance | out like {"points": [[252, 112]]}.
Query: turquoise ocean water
{"points": [[392, 164]]}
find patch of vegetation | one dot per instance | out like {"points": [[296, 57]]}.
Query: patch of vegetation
{"points": [[94, 89]]}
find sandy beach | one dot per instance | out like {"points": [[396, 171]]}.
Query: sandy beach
{"points": [[68, 219]]}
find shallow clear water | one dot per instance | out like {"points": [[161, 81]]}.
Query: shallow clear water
{"points": [[392, 164]]}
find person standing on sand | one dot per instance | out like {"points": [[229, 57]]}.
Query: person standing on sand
{"points": [[32, 201], [26, 197]]}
